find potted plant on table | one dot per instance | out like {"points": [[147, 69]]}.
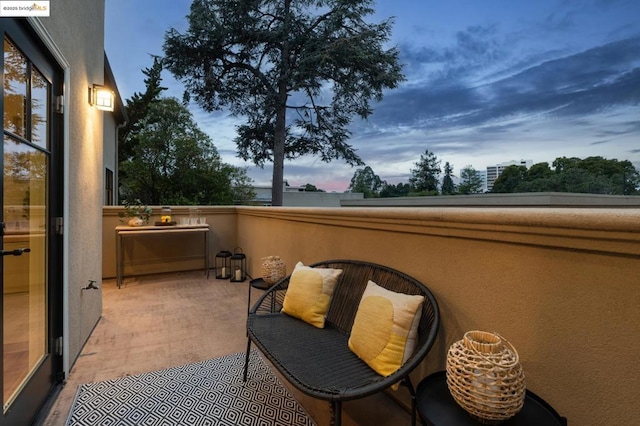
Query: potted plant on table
{"points": [[137, 213]]}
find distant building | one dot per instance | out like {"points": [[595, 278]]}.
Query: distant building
{"points": [[297, 196], [493, 172], [483, 176]]}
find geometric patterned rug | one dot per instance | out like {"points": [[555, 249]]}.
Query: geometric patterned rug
{"points": [[204, 393]]}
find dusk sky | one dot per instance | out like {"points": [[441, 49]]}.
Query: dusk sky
{"points": [[487, 81]]}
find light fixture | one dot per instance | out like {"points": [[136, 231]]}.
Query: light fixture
{"points": [[102, 98]]}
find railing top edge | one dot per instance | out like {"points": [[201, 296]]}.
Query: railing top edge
{"points": [[625, 220], [602, 219]]}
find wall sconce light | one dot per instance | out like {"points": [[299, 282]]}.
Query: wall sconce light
{"points": [[102, 98]]}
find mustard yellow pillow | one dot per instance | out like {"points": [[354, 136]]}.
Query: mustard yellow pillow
{"points": [[309, 293], [385, 328]]}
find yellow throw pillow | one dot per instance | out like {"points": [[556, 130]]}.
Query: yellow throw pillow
{"points": [[385, 328], [309, 293]]}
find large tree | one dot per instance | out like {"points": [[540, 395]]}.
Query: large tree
{"points": [[604, 176], [471, 181], [312, 188], [510, 179], [137, 108], [539, 178], [424, 177], [323, 61], [164, 158], [366, 182], [448, 187], [399, 190], [176, 163]]}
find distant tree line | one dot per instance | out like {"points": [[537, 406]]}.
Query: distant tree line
{"points": [[595, 175], [424, 180]]}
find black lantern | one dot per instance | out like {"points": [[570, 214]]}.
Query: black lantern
{"points": [[223, 268], [238, 266]]}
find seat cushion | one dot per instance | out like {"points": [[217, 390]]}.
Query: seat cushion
{"points": [[316, 360]]}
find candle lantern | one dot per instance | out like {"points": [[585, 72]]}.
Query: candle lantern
{"points": [[223, 267], [238, 266]]}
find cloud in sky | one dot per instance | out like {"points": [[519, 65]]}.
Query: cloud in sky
{"points": [[485, 84]]}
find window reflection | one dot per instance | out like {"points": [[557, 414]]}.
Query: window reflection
{"points": [[29, 123], [39, 109], [15, 90]]}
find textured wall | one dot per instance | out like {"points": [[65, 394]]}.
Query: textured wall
{"points": [[77, 29]]}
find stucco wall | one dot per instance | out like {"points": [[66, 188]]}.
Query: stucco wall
{"points": [[560, 284], [77, 30]]}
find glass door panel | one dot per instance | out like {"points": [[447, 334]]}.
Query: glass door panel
{"points": [[24, 212]]}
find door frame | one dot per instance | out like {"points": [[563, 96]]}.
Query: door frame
{"points": [[56, 53]]}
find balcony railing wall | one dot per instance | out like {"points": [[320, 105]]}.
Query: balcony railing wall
{"points": [[560, 284]]}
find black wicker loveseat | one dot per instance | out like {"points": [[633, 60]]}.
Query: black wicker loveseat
{"points": [[318, 361]]}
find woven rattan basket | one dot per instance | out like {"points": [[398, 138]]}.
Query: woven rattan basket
{"points": [[273, 269], [485, 377]]}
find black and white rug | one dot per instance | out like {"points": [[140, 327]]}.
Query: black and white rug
{"points": [[205, 393]]}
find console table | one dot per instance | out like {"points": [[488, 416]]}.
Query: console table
{"points": [[138, 231], [437, 407]]}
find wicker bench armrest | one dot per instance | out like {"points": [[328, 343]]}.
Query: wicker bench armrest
{"points": [[271, 300]]}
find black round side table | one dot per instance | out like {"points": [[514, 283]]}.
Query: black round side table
{"points": [[438, 408], [260, 284]]}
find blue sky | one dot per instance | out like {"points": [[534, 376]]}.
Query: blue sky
{"points": [[487, 81]]}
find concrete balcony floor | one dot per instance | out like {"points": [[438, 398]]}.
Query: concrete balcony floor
{"points": [[165, 320]]}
